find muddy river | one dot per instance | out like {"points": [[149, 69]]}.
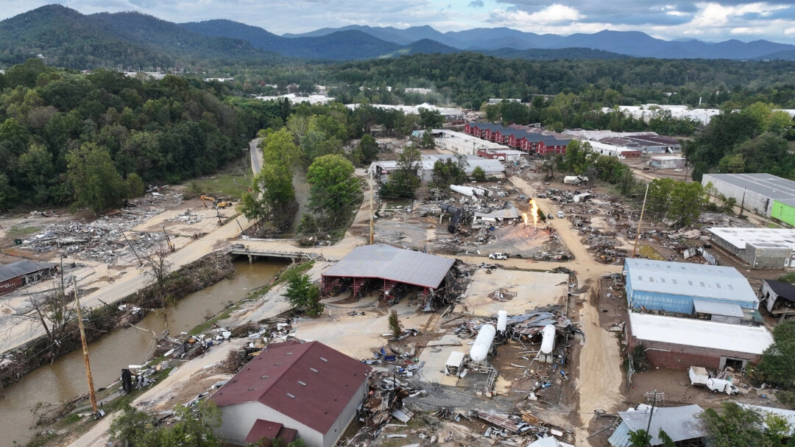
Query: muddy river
{"points": [[66, 377]]}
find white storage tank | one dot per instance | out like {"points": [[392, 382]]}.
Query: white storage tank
{"points": [[482, 344], [548, 339], [502, 320]]}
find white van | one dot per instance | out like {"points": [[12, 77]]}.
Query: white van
{"points": [[560, 214]]}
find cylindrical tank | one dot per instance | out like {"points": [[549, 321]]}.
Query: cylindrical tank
{"points": [[548, 339], [502, 320], [482, 344]]}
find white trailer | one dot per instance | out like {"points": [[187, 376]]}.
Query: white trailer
{"points": [[698, 376]]}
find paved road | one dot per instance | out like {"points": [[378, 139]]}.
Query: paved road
{"points": [[256, 155]]}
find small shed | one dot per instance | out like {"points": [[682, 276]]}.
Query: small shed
{"points": [[779, 297]]}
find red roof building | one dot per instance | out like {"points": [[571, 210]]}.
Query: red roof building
{"points": [[308, 388]]}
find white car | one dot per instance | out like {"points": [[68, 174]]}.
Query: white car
{"points": [[560, 214], [498, 256]]}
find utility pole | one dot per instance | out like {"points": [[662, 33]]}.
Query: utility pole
{"points": [[640, 222], [742, 204], [372, 226], [63, 287], [140, 263], [168, 240], [85, 352]]}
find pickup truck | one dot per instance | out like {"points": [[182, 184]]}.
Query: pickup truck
{"points": [[498, 256]]}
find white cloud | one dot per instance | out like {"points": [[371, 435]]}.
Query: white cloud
{"points": [[677, 13], [555, 13], [745, 30], [789, 31]]}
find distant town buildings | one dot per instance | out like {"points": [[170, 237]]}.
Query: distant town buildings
{"points": [[491, 167], [648, 111], [297, 99], [450, 113]]}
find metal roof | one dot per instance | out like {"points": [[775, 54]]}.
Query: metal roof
{"points": [[696, 280], [393, 264], [700, 333], [782, 289], [763, 184], [20, 268], [271, 430], [308, 382], [759, 237], [718, 308], [679, 423]]}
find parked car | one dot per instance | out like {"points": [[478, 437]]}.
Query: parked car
{"points": [[498, 256], [560, 214]]}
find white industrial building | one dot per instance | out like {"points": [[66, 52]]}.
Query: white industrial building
{"points": [[382, 168], [667, 162], [648, 111], [462, 143], [620, 152], [448, 112], [760, 248], [295, 99], [754, 192]]}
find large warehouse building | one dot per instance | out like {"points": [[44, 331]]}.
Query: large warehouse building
{"points": [[388, 267], [684, 342], [687, 289], [760, 248], [763, 194]]}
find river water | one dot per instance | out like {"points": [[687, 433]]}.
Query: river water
{"points": [[66, 377]]}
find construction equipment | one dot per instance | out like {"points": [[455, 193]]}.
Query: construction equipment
{"points": [[223, 204]]}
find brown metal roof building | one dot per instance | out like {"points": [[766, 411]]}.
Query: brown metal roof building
{"points": [[18, 274], [391, 265], [308, 388]]}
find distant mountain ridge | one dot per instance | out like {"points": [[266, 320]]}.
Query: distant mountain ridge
{"points": [[629, 43]]}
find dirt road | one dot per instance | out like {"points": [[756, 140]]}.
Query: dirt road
{"points": [[599, 380]]}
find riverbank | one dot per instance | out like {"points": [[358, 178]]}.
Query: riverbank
{"points": [[102, 320]]}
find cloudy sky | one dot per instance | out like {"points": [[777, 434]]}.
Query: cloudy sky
{"points": [[710, 21]]}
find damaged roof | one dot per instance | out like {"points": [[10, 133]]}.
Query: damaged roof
{"points": [[393, 264], [308, 382], [21, 268]]}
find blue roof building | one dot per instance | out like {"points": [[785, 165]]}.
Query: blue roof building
{"points": [[688, 288]]}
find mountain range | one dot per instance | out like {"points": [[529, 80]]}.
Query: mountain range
{"points": [[629, 43], [68, 38]]}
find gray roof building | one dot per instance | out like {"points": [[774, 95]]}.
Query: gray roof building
{"points": [[392, 265], [679, 423], [755, 192]]}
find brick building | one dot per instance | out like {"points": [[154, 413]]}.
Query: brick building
{"points": [[18, 274], [680, 343], [530, 142]]}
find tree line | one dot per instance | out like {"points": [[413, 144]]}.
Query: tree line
{"points": [[97, 139]]}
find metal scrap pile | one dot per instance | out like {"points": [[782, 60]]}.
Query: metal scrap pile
{"points": [[384, 402], [515, 429], [530, 324]]}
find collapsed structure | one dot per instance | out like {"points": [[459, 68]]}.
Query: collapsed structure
{"points": [[291, 388]]}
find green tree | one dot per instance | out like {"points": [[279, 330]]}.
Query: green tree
{"points": [[130, 427], [732, 164], [96, 183], [334, 188], [430, 119], [405, 180], [478, 174], [369, 149], [450, 171], [37, 168], [302, 294], [639, 438], [776, 364], [135, 185], [687, 202], [734, 426], [394, 324], [8, 194], [427, 141]]}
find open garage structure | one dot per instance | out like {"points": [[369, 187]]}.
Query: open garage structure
{"points": [[387, 268]]}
